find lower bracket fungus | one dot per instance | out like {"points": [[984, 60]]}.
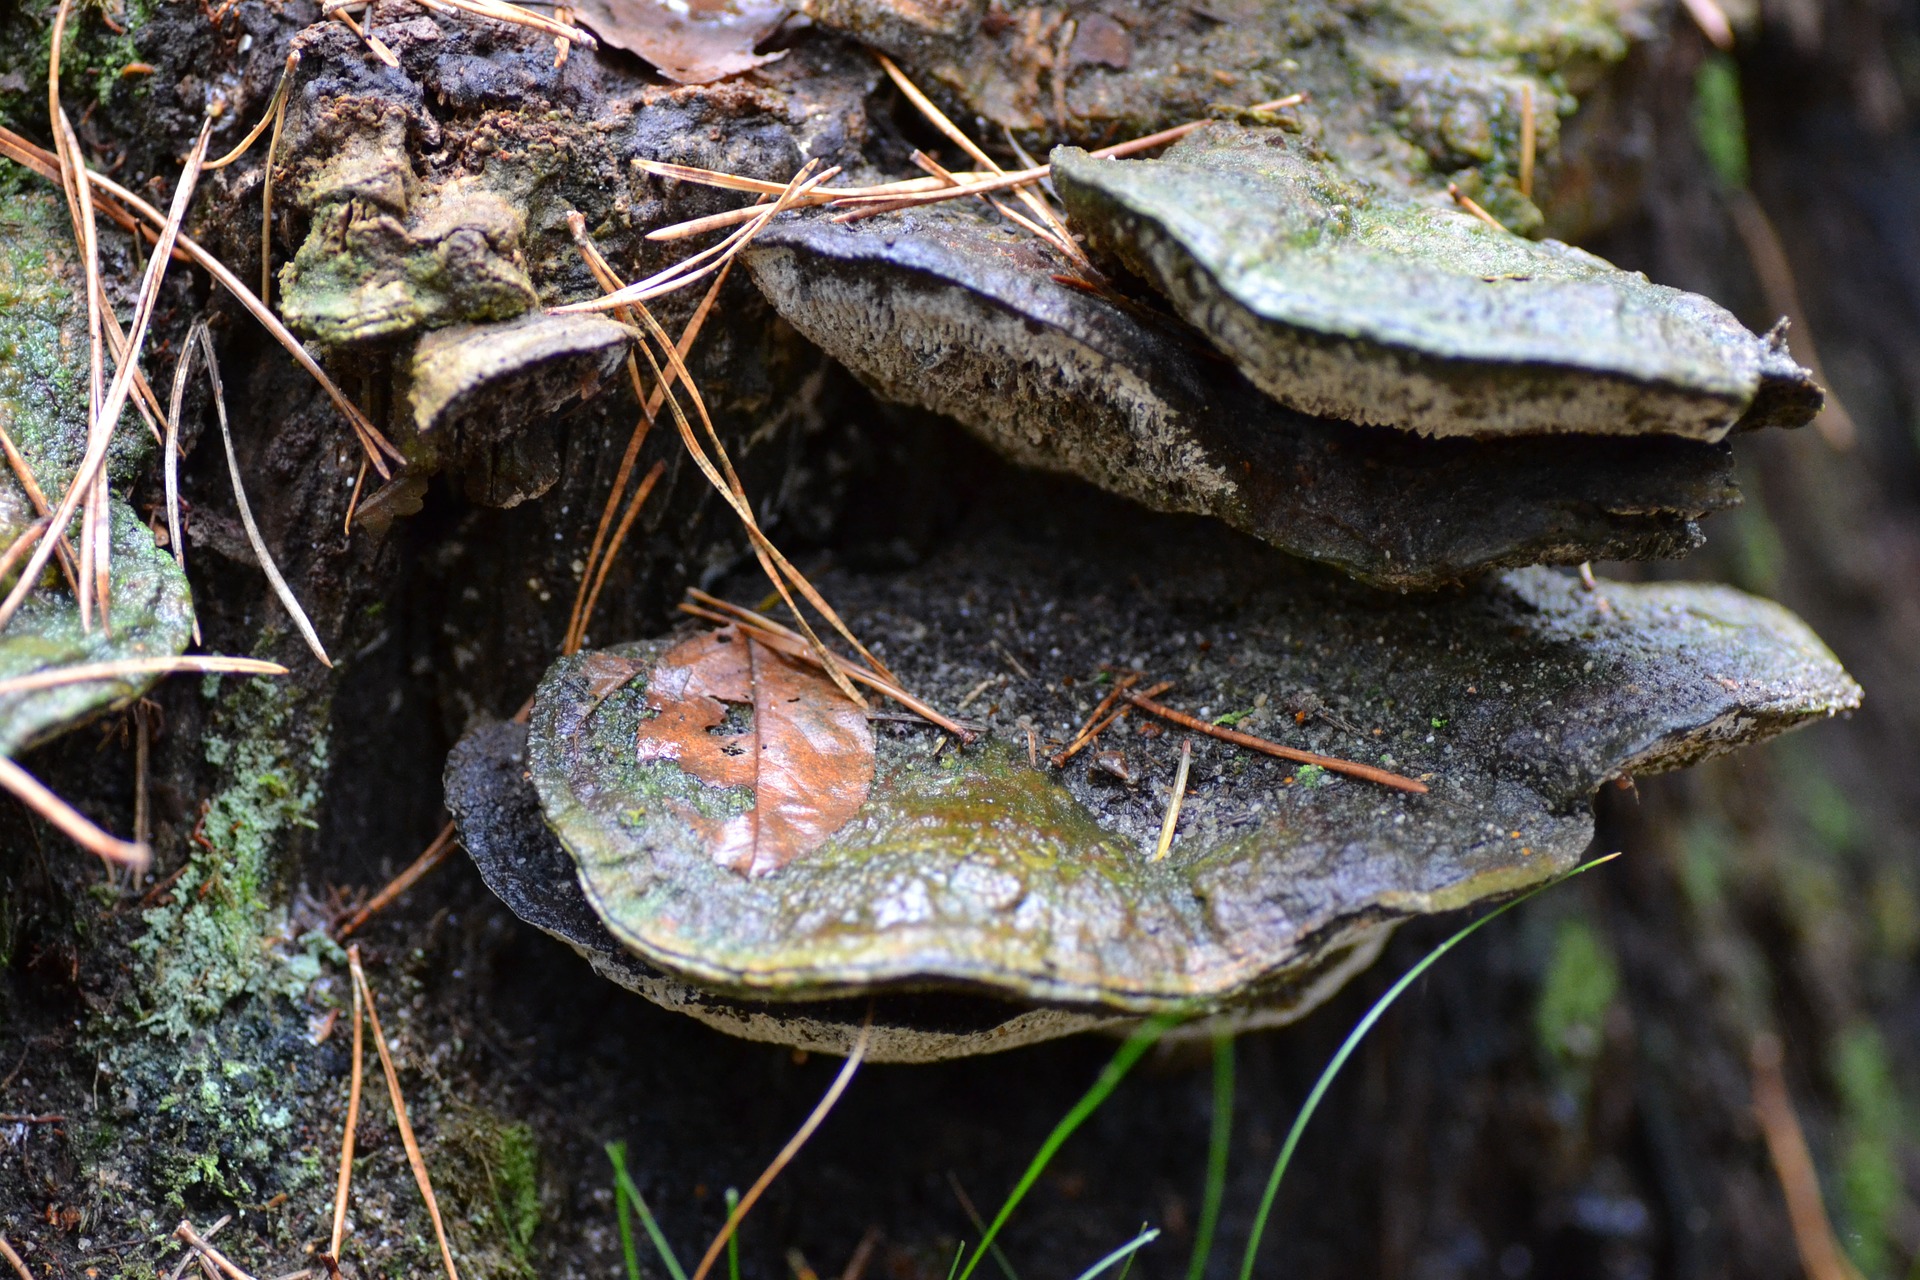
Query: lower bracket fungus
{"points": [[985, 871]]}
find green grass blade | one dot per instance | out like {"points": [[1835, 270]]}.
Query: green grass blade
{"points": [[733, 1241], [1217, 1148], [959, 1252], [1352, 1042], [617, 1152], [1126, 1251], [1131, 1258], [1110, 1077]]}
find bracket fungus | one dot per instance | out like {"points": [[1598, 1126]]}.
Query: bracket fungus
{"points": [[1338, 297], [951, 313], [983, 871]]}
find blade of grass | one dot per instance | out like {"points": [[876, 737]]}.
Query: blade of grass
{"points": [[622, 1214], [617, 1152], [1125, 1251], [1143, 1038], [1352, 1042], [1218, 1145], [1000, 1258], [733, 1241], [267, 566]]}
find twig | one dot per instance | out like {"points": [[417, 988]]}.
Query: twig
{"points": [[407, 1140], [199, 1245], [31, 792], [1165, 845], [14, 1259], [1084, 734], [17, 1117], [788, 1152], [344, 1182], [1473, 207], [267, 566], [187, 1258], [434, 854], [121, 668], [1330, 763], [1813, 1236]]}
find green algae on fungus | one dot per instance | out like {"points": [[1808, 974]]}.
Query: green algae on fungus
{"points": [[1339, 297], [152, 616], [43, 344], [974, 869]]}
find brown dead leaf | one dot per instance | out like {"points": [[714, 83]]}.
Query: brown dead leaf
{"points": [[689, 41], [808, 755]]}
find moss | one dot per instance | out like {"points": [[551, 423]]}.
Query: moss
{"points": [[90, 65], [495, 1186], [1872, 1124], [1719, 122], [205, 948]]}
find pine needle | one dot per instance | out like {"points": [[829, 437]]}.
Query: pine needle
{"points": [[23, 472], [14, 1260], [1331, 764], [344, 1183], [258, 543], [267, 117], [414, 1159], [792, 1149], [170, 456], [1172, 820], [122, 668], [640, 496], [69, 821], [434, 854]]}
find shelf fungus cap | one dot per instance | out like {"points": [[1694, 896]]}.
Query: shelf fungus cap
{"points": [[983, 871], [485, 395], [944, 310], [1341, 299]]}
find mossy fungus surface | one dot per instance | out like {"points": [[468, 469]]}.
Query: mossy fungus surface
{"points": [[152, 616], [43, 345], [984, 869], [1343, 298], [945, 310]]}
